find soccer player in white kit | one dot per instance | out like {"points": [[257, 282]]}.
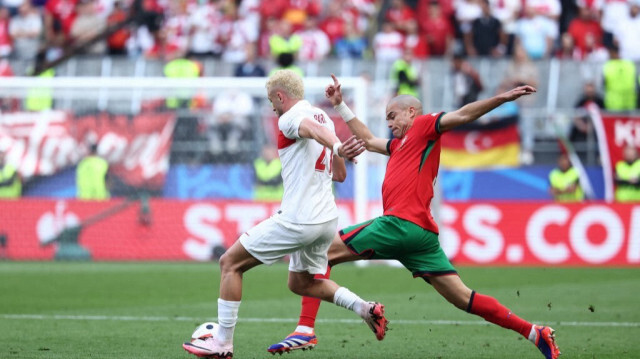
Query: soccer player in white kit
{"points": [[304, 227]]}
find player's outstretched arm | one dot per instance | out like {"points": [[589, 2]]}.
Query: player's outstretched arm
{"points": [[311, 129], [475, 110], [362, 132]]}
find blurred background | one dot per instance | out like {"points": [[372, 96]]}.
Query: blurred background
{"points": [[140, 129]]}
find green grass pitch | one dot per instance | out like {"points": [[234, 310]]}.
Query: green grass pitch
{"points": [[146, 310]]}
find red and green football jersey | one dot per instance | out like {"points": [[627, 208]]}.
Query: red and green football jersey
{"points": [[411, 172]]}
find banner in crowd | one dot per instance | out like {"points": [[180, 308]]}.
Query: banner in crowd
{"points": [[479, 146], [44, 143], [484, 233], [614, 132]]}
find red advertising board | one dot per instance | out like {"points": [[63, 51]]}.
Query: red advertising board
{"points": [[615, 132], [487, 233], [43, 143]]}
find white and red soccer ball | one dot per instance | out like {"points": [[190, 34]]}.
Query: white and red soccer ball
{"points": [[205, 331]]}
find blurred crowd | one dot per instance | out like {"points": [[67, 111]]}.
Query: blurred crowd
{"points": [[311, 30]]}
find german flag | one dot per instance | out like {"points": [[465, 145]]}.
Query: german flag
{"points": [[493, 145]]}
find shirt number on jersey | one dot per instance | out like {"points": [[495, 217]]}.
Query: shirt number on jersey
{"points": [[320, 165]]}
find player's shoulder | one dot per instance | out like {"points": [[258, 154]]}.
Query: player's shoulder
{"points": [[428, 121], [430, 116]]}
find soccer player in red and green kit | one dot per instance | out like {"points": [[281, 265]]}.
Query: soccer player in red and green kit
{"points": [[406, 231]]}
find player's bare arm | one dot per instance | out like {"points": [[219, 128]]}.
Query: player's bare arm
{"points": [[371, 142], [473, 111], [351, 148], [311, 129]]}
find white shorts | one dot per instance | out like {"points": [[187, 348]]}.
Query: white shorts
{"points": [[308, 244]]}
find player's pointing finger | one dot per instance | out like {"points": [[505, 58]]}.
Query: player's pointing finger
{"points": [[335, 80]]}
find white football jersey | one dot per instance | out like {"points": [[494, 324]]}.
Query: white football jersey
{"points": [[306, 168]]}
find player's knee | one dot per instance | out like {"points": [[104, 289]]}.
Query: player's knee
{"points": [[295, 287], [298, 286], [227, 264]]}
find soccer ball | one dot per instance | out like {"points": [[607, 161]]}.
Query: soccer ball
{"points": [[204, 331]]}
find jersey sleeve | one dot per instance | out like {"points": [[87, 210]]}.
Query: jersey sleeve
{"points": [[428, 126], [392, 145], [290, 126]]}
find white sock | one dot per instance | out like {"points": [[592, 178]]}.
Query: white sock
{"points": [[227, 318], [533, 334], [347, 299], [304, 329]]}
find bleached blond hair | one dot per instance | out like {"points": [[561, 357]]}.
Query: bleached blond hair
{"points": [[287, 81]]}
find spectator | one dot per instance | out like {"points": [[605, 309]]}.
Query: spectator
{"points": [[250, 67], [284, 40], [229, 124], [10, 183], [182, 68], [315, 46], [404, 75], [92, 181], [446, 7], [416, 42], [628, 176], [550, 9], [362, 12], [522, 71], [584, 26], [117, 42], [5, 67], [536, 34], [388, 44], [627, 34], [568, 50], [466, 81], [507, 12], [593, 51], [486, 37], [150, 38], [162, 48], [286, 60], [5, 37], [295, 12], [203, 24], [437, 30], [352, 45], [7, 104], [334, 24], [40, 98], [236, 34], [614, 12], [398, 15], [58, 19], [105, 7], [26, 30], [13, 5], [620, 82], [176, 26], [582, 127], [268, 170], [86, 26], [266, 32], [565, 182], [466, 12]]}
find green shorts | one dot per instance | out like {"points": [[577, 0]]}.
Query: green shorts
{"points": [[390, 237]]}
